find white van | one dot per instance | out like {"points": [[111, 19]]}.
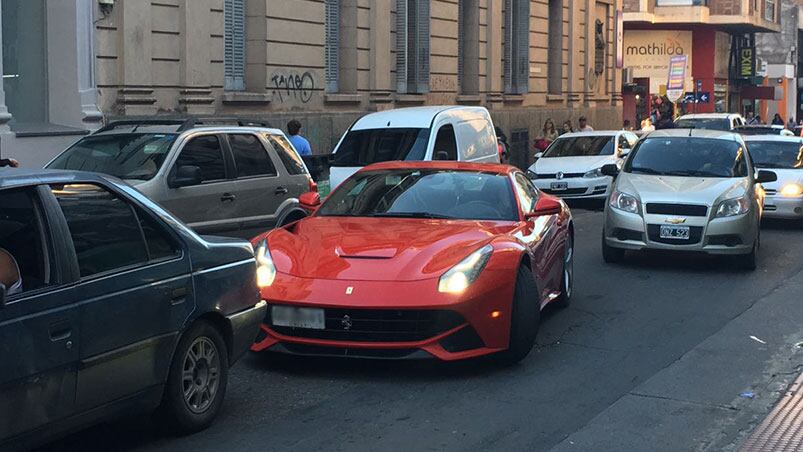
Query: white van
{"points": [[419, 133]]}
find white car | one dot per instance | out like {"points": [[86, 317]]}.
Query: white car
{"points": [[571, 165], [712, 121], [784, 157]]}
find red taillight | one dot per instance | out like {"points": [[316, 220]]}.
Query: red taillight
{"points": [[313, 187]]}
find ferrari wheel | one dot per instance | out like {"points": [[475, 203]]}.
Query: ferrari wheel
{"points": [[524, 318], [567, 281]]}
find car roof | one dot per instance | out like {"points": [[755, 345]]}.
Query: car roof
{"points": [[595, 133], [695, 133], [20, 177], [416, 117], [779, 138], [167, 129], [708, 116], [497, 168]]}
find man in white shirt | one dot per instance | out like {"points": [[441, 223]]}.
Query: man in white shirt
{"points": [[584, 127], [10, 273]]}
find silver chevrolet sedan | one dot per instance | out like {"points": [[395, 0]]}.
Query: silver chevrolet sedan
{"points": [[783, 156], [686, 190]]}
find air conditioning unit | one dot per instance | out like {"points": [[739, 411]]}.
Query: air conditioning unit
{"points": [[627, 76]]}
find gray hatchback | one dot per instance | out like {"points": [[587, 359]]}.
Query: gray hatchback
{"points": [[225, 179]]}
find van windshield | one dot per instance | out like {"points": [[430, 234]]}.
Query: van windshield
{"points": [[364, 147]]}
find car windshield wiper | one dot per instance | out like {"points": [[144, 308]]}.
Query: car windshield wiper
{"points": [[429, 215]]}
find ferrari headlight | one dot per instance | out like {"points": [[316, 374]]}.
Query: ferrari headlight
{"points": [[733, 207], [623, 201], [266, 271], [791, 190], [593, 174], [459, 277]]}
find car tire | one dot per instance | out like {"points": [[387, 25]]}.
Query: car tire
{"points": [[610, 254], [524, 317], [749, 261], [196, 383], [567, 280]]}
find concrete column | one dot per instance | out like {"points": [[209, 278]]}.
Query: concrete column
{"points": [[348, 47], [85, 29], [381, 62], [5, 116], [135, 97], [574, 71], [256, 46], [196, 95], [471, 48], [588, 56], [494, 68]]}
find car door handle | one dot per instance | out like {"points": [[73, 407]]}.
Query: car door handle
{"points": [[59, 333], [281, 191], [228, 197], [177, 296]]}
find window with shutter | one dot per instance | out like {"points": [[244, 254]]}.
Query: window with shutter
{"points": [[517, 46], [412, 46], [234, 44], [332, 50]]}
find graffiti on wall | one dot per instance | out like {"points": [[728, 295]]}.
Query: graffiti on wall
{"points": [[292, 86]]}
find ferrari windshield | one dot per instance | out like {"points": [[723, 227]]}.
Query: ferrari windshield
{"points": [[688, 156], [777, 154], [424, 193], [125, 155]]}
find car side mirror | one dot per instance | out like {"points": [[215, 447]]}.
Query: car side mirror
{"points": [[610, 170], [310, 200], [185, 176], [546, 205], [764, 176], [2, 295]]}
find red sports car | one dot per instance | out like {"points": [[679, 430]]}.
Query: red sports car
{"points": [[417, 259]]}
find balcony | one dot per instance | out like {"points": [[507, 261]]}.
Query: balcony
{"points": [[733, 15]]}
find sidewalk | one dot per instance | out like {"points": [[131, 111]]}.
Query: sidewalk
{"points": [[716, 394], [782, 430]]}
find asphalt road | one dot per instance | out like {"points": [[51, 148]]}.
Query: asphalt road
{"points": [[626, 323]]}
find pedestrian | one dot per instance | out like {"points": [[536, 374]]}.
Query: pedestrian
{"points": [[567, 127], [501, 145], [751, 118], [9, 162], [548, 135], [777, 120], [758, 120], [584, 126], [790, 124], [646, 125], [627, 126], [300, 143]]}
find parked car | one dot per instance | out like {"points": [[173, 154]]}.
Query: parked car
{"points": [[224, 179], [763, 130], [109, 305], [418, 260], [783, 156], [571, 166], [686, 190], [464, 134], [712, 121]]}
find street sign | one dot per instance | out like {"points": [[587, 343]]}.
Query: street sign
{"points": [[699, 97], [699, 85]]}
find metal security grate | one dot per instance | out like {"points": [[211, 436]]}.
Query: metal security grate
{"points": [[782, 430]]}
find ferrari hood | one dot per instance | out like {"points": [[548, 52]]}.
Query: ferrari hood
{"points": [[690, 190], [377, 249]]}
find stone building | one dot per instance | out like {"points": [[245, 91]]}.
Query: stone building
{"points": [[325, 62]]}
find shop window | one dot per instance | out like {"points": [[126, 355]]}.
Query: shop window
{"points": [[25, 59]]}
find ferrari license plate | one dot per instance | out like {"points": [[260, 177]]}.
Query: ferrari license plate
{"points": [[559, 185], [675, 232], [309, 318]]}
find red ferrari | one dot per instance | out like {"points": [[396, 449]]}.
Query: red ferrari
{"points": [[417, 259]]}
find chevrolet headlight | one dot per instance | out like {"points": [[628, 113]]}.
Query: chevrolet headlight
{"points": [[791, 190], [624, 201], [593, 174], [266, 271], [459, 277], [732, 207]]}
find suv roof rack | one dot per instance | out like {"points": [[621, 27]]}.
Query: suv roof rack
{"points": [[183, 124]]}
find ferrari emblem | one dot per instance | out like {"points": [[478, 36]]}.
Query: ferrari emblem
{"points": [[349, 290], [675, 220], [346, 322]]}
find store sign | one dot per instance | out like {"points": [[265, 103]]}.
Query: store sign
{"points": [[676, 80], [649, 52], [620, 39], [747, 62]]}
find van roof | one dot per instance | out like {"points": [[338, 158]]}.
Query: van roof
{"points": [[416, 117]]}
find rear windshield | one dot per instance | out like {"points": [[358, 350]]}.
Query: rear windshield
{"points": [[687, 156], [759, 130], [127, 156], [580, 146], [363, 147], [774, 154], [703, 123]]}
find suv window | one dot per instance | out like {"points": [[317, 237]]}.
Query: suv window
{"points": [[526, 192], [205, 153], [116, 242], [250, 156], [445, 144], [290, 159], [24, 255]]}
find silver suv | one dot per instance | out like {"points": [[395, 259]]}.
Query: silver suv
{"points": [[227, 179]]}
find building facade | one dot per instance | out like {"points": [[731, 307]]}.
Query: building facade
{"points": [[327, 62], [777, 57], [716, 38]]}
